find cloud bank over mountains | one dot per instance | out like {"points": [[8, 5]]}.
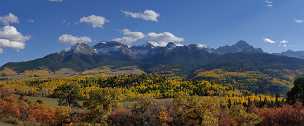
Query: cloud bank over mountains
{"points": [[162, 39], [129, 37], [156, 39]]}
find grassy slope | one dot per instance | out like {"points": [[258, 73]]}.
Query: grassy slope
{"points": [[5, 124], [48, 101]]}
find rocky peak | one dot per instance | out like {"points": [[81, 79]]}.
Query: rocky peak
{"points": [[109, 44], [82, 48], [171, 45], [240, 46]]}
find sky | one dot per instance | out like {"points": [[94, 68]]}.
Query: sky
{"points": [[30, 29]]}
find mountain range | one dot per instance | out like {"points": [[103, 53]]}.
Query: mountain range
{"points": [[295, 54], [182, 59]]}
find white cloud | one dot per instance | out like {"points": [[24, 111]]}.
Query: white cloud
{"points": [[9, 19], [70, 39], [11, 38], [269, 40], [199, 45], [95, 21], [299, 21], [283, 43], [55, 0], [268, 3], [148, 15], [129, 37], [162, 39]]}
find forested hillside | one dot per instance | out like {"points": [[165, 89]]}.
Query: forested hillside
{"points": [[146, 99]]}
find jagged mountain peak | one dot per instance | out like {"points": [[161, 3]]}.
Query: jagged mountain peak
{"points": [[171, 45], [82, 48], [110, 47], [149, 45], [79, 45], [240, 46], [104, 44], [242, 43]]}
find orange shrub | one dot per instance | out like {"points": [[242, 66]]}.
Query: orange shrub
{"points": [[40, 113], [282, 116], [10, 107], [19, 108]]}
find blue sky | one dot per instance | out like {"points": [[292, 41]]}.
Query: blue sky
{"points": [[274, 26]]}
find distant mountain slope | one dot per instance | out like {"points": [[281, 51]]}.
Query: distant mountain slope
{"points": [[182, 59], [254, 81], [295, 54], [80, 57], [255, 61]]}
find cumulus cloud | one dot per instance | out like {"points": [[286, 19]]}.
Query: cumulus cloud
{"points": [[299, 21], [147, 15], [70, 39], [55, 0], [283, 43], [162, 39], [269, 40], [9, 19], [11, 38], [129, 37], [95, 21]]}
